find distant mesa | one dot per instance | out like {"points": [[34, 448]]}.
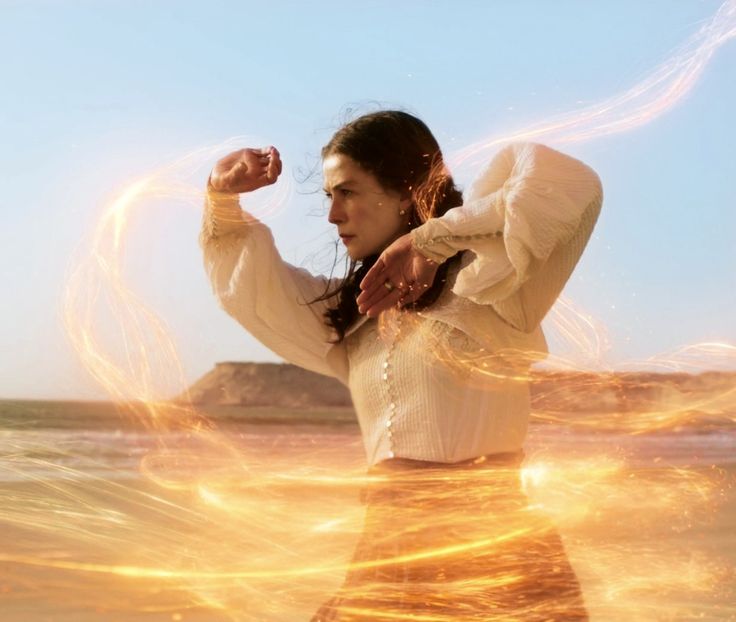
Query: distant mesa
{"points": [[281, 385], [277, 385]]}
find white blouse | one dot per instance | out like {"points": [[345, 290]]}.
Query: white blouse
{"points": [[449, 382]]}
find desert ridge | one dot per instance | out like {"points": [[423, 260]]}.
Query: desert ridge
{"points": [[275, 385], [710, 395]]}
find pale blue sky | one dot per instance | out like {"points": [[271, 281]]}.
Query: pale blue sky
{"points": [[97, 93]]}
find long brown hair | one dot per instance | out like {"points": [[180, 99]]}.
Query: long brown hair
{"points": [[399, 149]]}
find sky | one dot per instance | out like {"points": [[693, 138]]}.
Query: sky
{"points": [[96, 94]]}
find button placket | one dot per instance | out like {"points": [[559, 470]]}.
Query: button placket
{"points": [[387, 376]]}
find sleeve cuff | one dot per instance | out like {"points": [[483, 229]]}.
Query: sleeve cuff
{"points": [[222, 214], [439, 239], [433, 246]]}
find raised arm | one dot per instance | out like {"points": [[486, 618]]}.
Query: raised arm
{"points": [[526, 221], [251, 281]]}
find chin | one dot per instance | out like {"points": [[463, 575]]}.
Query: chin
{"points": [[359, 256], [356, 254], [359, 252]]}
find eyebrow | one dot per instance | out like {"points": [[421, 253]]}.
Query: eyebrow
{"points": [[341, 184]]}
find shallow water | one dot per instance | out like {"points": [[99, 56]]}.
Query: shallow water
{"points": [[647, 519]]}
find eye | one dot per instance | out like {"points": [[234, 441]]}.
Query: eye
{"points": [[343, 191]]}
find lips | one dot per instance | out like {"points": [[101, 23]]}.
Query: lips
{"points": [[345, 238]]}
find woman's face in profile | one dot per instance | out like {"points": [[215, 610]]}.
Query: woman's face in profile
{"points": [[366, 214]]}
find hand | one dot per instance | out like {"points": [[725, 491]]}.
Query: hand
{"points": [[404, 268], [246, 170]]}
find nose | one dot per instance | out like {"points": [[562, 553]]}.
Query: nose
{"points": [[336, 214]]}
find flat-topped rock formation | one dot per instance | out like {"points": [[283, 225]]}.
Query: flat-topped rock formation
{"points": [[282, 385], [621, 392], [279, 385]]}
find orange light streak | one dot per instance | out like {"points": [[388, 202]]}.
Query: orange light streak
{"points": [[215, 508]]}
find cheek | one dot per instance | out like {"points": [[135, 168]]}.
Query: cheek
{"points": [[380, 217], [362, 216]]}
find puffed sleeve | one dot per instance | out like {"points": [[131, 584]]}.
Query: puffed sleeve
{"points": [[526, 221], [265, 294]]}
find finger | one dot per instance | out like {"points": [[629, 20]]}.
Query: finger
{"points": [[409, 293], [375, 292], [391, 299], [272, 168], [402, 295], [368, 300], [377, 285], [375, 275], [279, 164], [412, 293], [379, 292]]}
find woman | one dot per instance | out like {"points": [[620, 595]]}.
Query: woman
{"points": [[433, 330]]}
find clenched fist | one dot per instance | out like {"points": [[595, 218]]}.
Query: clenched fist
{"points": [[246, 170]]}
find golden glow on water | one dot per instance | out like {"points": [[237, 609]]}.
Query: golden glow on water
{"points": [[272, 525], [258, 535]]}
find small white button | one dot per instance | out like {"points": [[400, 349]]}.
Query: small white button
{"points": [[385, 376], [388, 423], [390, 454]]}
